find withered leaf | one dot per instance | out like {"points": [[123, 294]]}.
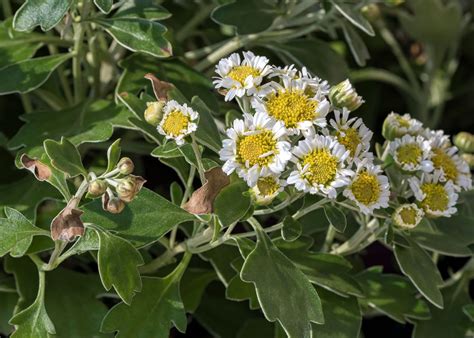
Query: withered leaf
{"points": [[67, 225], [160, 88], [41, 171], [202, 200]]}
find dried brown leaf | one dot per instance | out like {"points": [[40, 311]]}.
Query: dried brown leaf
{"points": [[201, 200], [67, 225], [160, 88], [41, 171]]}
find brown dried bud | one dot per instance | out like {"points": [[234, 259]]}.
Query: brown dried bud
{"points": [[128, 187], [113, 205], [125, 166], [97, 188], [67, 225], [154, 112], [41, 171]]}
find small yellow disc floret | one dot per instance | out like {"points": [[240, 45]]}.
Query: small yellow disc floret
{"points": [[257, 149], [436, 198], [350, 140], [441, 160], [409, 154], [322, 167], [267, 185], [366, 188], [176, 122], [240, 73], [408, 216], [291, 107]]}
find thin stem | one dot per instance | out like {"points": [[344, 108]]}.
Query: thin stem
{"points": [[352, 243], [79, 32], [329, 238], [7, 8], [197, 153], [54, 261], [164, 259], [190, 26], [26, 101], [62, 77]]}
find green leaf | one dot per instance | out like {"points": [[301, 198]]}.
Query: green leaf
{"points": [[284, 292], [15, 48], [329, 65], [27, 75], [113, 155], [138, 35], [192, 287], [392, 295], [143, 221], [342, 318], [356, 44], [329, 271], [118, 265], [65, 157], [468, 310], [417, 265], [26, 280], [146, 9], [176, 193], [172, 150], [238, 290], [43, 13], [72, 303], [233, 195], [105, 6], [16, 233], [207, 132], [89, 241], [247, 16], [34, 320], [87, 122], [8, 301], [355, 17], [335, 217], [256, 327], [186, 79], [451, 321], [220, 259], [291, 229], [153, 311]]}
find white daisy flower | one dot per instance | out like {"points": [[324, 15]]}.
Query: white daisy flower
{"points": [[400, 125], [240, 77], [178, 121], [408, 216], [411, 153], [368, 189], [294, 105], [320, 166], [267, 188], [255, 147], [437, 138], [314, 83], [451, 166], [436, 197], [352, 134]]}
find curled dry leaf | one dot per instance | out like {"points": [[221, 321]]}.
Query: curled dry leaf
{"points": [[113, 205], [67, 225], [41, 171], [202, 200], [160, 88]]}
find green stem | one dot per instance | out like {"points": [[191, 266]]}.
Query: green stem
{"points": [[190, 26], [26, 101], [329, 238], [79, 32], [7, 8], [351, 245], [62, 77], [197, 153]]}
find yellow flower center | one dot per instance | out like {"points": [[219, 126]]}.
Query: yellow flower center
{"points": [[366, 188], [267, 185], [408, 215], [322, 167], [257, 149], [176, 122], [403, 122], [350, 139], [291, 107], [436, 197], [240, 73], [409, 153], [441, 160]]}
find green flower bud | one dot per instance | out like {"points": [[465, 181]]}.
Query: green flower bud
{"points": [[97, 188], [128, 187], [344, 95], [407, 216], [395, 126], [371, 12], [125, 166], [154, 112], [464, 141], [469, 158]]}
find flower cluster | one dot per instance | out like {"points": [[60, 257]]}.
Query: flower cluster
{"points": [[286, 137]]}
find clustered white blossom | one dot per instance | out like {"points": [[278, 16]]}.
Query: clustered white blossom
{"points": [[287, 138]]}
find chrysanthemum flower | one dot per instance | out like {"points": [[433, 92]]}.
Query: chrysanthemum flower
{"points": [[295, 104], [368, 189], [408, 216], [437, 198], [451, 166], [314, 84], [320, 166], [352, 134], [343, 95], [411, 153], [240, 77], [255, 147], [178, 121], [267, 188], [396, 125]]}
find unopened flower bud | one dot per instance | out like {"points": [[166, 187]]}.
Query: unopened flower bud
{"points": [[154, 112], [469, 158], [112, 204], [344, 95], [464, 141], [97, 188], [371, 12], [125, 166], [395, 126], [128, 187], [407, 216]]}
